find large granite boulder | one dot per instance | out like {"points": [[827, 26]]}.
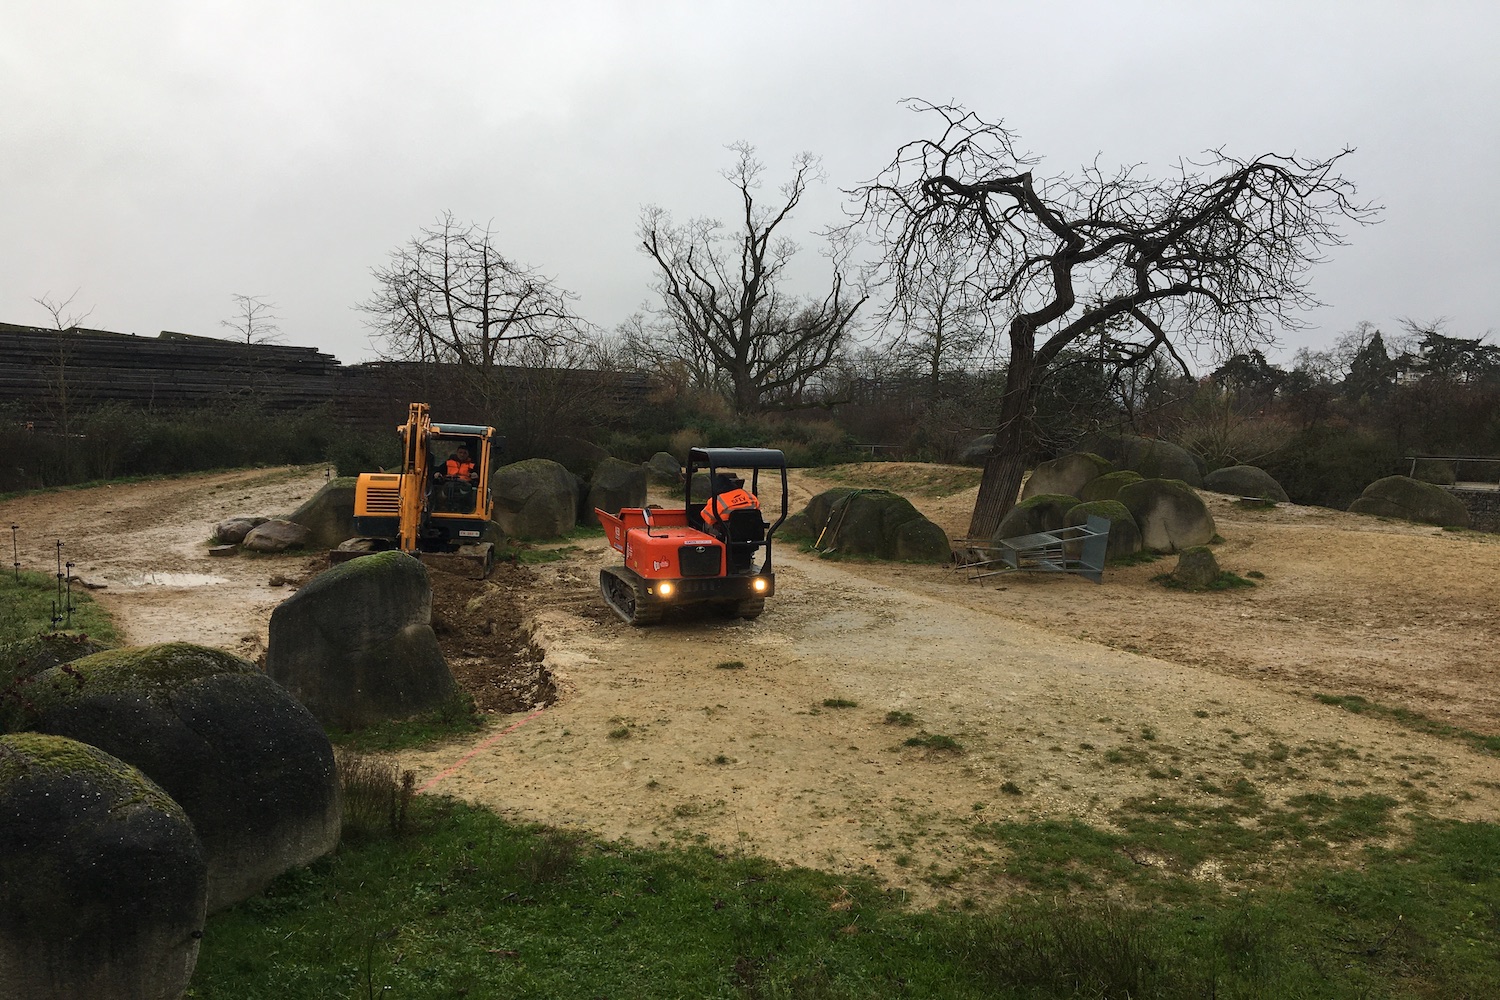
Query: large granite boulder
{"points": [[1170, 513], [875, 523], [1153, 458], [977, 450], [1245, 481], [1411, 500], [252, 768], [277, 535], [232, 531], [1043, 512], [536, 498], [328, 514], [102, 879], [664, 469], [1107, 486], [27, 657], [355, 644], [1124, 536], [614, 484], [1067, 475]]}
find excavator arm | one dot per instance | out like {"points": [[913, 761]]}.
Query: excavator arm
{"points": [[414, 473]]}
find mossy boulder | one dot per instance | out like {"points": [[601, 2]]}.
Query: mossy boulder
{"points": [[355, 644], [1411, 500], [1170, 513], [1043, 512], [535, 498], [278, 535], [1197, 568], [875, 523], [328, 514], [27, 657], [1066, 475], [103, 882], [250, 766], [1124, 536], [1153, 458], [664, 469], [613, 485], [1245, 481], [1107, 486]]}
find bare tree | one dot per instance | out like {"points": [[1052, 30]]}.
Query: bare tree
{"points": [[723, 300], [63, 323], [942, 322], [449, 295], [254, 320], [1215, 256]]}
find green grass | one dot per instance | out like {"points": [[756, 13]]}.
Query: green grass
{"points": [[27, 606], [839, 703], [934, 741], [466, 904], [458, 717], [1413, 720], [1224, 581]]}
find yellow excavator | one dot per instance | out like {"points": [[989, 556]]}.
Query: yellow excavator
{"points": [[437, 507]]}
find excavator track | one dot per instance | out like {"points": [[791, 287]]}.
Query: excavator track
{"points": [[747, 608], [628, 599]]}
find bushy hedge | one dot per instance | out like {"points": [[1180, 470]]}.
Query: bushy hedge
{"points": [[1331, 466]]}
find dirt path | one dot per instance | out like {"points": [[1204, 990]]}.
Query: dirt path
{"points": [[1065, 699]]}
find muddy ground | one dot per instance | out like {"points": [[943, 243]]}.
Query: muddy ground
{"points": [[1064, 699]]}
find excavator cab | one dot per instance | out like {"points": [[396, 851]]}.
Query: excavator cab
{"points": [[438, 506]]}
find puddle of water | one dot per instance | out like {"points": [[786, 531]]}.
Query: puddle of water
{"points": [[171, 580]]}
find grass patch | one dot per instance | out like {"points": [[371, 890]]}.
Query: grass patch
{"points": [[934, 741], [730, 665], [895, 718], [1224, 581], [28, 604], [1412, 720], [465, 904], [456, 717], [839, 703]]}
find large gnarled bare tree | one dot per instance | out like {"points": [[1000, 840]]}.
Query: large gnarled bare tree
{"points": [[723, 296], [1216, 255]]}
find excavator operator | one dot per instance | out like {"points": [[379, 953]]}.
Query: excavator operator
{"points": [[460, 466], [729, 495]]}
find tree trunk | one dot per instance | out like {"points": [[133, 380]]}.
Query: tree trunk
{"points": [[1006, 464]]}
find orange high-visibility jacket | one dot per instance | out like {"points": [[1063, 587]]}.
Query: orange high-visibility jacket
{"points": [[456, 468], [719, 506]]}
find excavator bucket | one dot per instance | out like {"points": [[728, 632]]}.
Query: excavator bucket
{"points": [[471, 561]]}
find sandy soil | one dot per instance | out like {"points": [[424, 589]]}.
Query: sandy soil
{"points": [[1066, 698]]}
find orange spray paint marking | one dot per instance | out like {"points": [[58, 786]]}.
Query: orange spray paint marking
{"points": [[481, 748]]}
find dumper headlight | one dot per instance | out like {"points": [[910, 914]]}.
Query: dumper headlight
{"points": [[664, 589], [760, 585]]}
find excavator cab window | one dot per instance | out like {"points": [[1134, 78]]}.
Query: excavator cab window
{"points": [[456, 475]]}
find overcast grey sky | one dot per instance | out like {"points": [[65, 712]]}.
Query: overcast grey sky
{"points": [[159, 157]]}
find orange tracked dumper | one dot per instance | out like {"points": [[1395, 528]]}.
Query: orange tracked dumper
{"points": [[715, 550]]}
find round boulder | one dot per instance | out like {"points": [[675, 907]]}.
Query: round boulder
{"points": [[1065, 476], [663, 468], [1410, 500], [328, 514], [252, 768], [1170, 513], [1245, 481], [27, 657], [1107, 486], [1197, 569], [1124, 536], [1043, 512], [1153, 458], [977, 450], [102, 879], [232, 531], [614, 484], [355, 644], [536, 498], [875, 523], [277, 535]]}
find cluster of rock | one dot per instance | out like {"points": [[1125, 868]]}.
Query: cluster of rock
{"points": [[323, 521], [876, 524], [1152, 513], [142, 789]]}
